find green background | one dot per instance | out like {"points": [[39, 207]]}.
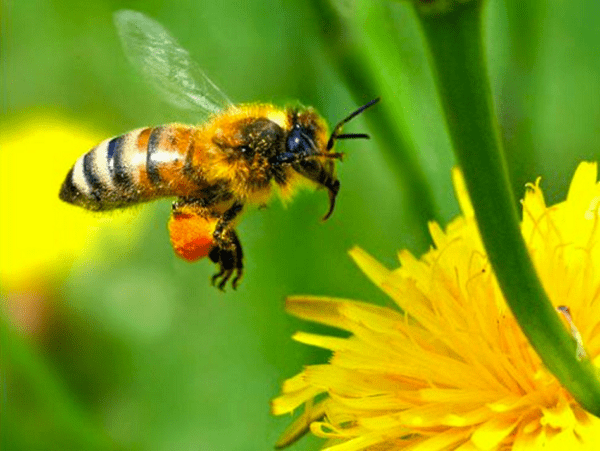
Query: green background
{"points": [[143, 353]]}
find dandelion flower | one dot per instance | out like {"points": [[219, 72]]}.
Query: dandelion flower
{"points": [[450, 369]]}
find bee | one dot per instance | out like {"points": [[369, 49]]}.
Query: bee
{"points": [[238, 156]]}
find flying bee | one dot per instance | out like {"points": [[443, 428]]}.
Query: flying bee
{"points": [[238, 156]]}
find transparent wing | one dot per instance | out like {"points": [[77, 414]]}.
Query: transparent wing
{"points": [[166, 66]]}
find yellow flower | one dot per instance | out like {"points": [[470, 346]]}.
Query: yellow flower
{"points": [[39, 234], [450, 369]]}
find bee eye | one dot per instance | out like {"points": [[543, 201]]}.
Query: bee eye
{"points": [[300, 140]]}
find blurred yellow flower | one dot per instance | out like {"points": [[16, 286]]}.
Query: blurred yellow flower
{"points": [[39, 234], [451, 370]]}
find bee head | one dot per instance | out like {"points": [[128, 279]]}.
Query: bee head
{"points": [[308, 150]]}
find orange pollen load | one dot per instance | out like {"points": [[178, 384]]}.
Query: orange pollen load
{"points": [[191, 235]]}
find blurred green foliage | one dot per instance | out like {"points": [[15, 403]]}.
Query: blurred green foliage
{"points": [[141, 353]]}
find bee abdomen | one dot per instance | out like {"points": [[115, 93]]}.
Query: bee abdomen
{"points": [[136, 167], [102, 179]]}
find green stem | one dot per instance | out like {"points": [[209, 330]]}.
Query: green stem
{"points": [[457, 53]]}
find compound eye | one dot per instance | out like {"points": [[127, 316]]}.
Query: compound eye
{"points": [[295, 141]]}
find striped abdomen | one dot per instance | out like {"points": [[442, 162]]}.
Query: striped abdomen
{"points": [[136, 167]]}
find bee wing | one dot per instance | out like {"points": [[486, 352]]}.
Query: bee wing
{"points": [[166, 66]]}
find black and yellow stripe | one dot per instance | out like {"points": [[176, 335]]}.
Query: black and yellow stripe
{"points": [[135, 167], [105, 177]]}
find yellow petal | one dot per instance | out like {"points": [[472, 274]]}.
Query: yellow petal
{"points": [[489, 435]]}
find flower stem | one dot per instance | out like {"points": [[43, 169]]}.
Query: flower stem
{"points": [[457, 53]]}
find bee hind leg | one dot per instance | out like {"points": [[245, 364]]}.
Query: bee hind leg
{"points": [[229, 256]]}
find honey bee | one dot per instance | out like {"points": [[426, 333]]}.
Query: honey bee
{"points": [[238, 156]]}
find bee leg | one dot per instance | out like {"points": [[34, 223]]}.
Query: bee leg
{"points": [[225, 220], [323, 176], [215, 257], [227, 252], [229, 257], [223, 258], [239, 260]]}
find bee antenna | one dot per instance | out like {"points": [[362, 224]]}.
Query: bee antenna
{"points": [[338, 128], [352, 136]]}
